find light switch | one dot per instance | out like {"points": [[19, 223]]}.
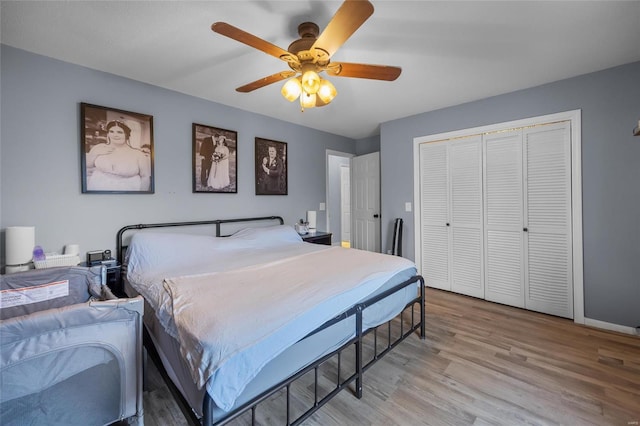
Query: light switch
{"points": [[323, 207], [407, 207]]}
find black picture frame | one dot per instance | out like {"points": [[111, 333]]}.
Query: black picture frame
{"points": [[116, 151], [271, 170], [220, 162]]}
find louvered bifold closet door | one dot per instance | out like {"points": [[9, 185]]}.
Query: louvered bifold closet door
{"points": [[434, 214], [548, 271], [465, 175], [503, 203]]}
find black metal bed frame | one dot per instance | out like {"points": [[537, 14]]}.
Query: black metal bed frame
{"points": [[341, 383], [120, 248]]}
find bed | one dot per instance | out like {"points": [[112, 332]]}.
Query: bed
{"points": [[235, 319], [67, 342]]}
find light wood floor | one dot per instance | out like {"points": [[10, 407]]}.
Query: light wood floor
{"points": [[481, 364]]}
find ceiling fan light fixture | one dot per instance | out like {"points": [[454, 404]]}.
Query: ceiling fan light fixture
{"points": [[292, 89], [311, 55], [307, 100], [327, 91], [311, 82]]}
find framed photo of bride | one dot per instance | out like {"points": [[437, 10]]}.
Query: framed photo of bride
{"points": [[116, 150], [214, 159]]}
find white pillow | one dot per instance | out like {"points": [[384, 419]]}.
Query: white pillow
{"points": [[268, 235], [149, 251]]}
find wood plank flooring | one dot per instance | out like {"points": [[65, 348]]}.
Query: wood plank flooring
{"points": [[481, 364]]}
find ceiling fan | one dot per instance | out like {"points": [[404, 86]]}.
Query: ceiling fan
{"points": [[311, 54]]}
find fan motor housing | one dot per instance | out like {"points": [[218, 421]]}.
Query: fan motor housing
{"points": [[308, 32]]}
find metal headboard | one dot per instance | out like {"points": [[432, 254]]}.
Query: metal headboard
{"points": [[218, 223]]}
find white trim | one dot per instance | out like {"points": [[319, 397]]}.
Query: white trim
{"points": [[576, 214], [611, 327], [575, 117], [417, 206]]}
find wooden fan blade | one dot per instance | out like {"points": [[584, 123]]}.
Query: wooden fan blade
{"points": [[251, 40], [373, 72], [274, 78], [351, 15]]}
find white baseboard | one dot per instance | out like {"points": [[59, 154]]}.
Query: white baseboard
{"points": [[612, 327]]}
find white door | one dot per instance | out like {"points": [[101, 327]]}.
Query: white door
{"points": [[548, 283], [365, 207], [345, 203], [434, 214], [451, 215], [503, 204], [466, 239]]}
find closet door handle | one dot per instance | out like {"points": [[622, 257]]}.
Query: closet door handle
{"points": [[447, 223], [376, 216], [525, 229]]}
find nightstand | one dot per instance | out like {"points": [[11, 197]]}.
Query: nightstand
{"points": [[113, 278], [318, 238]]}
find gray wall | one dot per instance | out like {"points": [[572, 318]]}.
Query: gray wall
{"points": [[40, 156], [368, 145], [610, 104]]}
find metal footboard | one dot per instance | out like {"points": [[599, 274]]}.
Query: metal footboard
{"points": [[341, 382]]}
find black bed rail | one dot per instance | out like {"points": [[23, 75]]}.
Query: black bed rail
{"points": [[218, 223], [360, 367]]}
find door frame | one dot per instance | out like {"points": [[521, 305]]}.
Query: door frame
{"points": [[345, 168], [575, 118]]}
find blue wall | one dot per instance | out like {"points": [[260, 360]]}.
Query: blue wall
{"points": [[40, 163], [368, 145], [40, 156], [610, 104]]}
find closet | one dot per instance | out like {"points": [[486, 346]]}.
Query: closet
{"points": [[495, 215], [451, 206]]}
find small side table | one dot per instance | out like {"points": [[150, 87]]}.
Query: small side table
{"points": [[318, 237]]}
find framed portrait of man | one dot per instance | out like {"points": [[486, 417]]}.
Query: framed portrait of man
{"points": [[271, 167], [116, 150], [214, 159]]}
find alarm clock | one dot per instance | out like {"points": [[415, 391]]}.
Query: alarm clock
{"points": [[97, 257]]}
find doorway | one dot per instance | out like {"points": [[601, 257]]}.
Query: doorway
{"points": [[338, 213], [345, 205]]}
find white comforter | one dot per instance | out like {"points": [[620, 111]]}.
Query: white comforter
{"points": [[234, 320]]}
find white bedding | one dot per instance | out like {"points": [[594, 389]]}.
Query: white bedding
{"points": [[244, 299]]}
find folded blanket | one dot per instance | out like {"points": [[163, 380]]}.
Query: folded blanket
{"points": [[230, 324]]}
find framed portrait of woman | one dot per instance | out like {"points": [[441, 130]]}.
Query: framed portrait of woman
{"points": [[214, 159], [116, 150], [271, 167]]}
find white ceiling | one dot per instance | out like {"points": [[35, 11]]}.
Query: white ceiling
{"points": [[450, 52]]}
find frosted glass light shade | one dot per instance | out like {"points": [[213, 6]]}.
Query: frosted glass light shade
{"points": [[327, 91], [291, 89], [307, 100], [311, 82]]}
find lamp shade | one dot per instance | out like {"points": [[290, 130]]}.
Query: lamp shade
{"points": [[307, 100], [327, 91], [311, 218], [311, 82], [291, 89], [19, 243]]}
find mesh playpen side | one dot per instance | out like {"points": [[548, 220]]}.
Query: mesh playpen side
{"points": [[71, 353]]}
